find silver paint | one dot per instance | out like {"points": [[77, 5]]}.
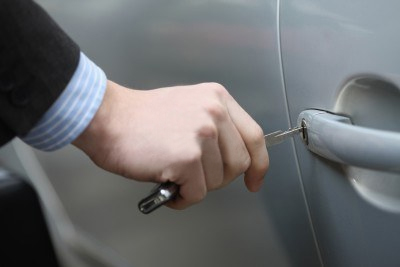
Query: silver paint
{"points": [[326, 45]]}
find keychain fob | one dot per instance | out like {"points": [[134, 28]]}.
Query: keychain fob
{"points": [[161, 194]]}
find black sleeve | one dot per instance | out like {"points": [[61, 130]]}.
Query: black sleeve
{"points": [[37, 60]]}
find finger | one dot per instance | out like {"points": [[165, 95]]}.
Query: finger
{"points": [[192, 186], [212, 163], [234, 153], [253, 138]]}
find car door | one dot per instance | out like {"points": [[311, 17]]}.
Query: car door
{"points": [[149, 44], [343, 57]]}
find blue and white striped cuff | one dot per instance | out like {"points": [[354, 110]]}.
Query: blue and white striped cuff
{"points": [[68, 117]]}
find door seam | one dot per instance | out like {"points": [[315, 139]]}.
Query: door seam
{"points": [[283, 83]]}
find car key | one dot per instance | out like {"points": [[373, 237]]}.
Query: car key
{"points": [[162, 193], [278, 137]]}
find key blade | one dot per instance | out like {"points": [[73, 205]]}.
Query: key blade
{"points": [[271, 139], [289, 133], [279, 136]]}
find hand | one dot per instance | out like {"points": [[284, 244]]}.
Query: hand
{"points": [[195, 136]]}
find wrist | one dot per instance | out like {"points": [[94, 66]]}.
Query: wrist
{"points": [[100, 128]]}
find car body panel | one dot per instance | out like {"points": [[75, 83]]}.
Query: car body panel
{"points": [[328, 46]]}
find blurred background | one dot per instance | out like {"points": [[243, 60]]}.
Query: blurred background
{"points": [[146, 44]]}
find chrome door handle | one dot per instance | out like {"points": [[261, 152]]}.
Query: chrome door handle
{"points": [[334, 137]]}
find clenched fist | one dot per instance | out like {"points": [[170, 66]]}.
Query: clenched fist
{"points": [[195, 136]]}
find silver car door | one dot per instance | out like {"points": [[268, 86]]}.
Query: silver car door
{"points": [[343, 57]]}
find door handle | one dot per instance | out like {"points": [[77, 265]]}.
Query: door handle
{"points": [[334, 137]]}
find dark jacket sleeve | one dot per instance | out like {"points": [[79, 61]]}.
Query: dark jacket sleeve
{"points": [[37, 60]]}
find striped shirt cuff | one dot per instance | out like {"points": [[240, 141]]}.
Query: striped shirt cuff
{"points": [[68, 117]]}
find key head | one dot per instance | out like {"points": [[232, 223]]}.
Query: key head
{"points": [[160, 194]]}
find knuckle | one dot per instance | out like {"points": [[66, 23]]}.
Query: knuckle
{"points": [[213, 186], [208, 131], [245, 163], [264, 164], [217, 111], [260, 165], [257, 136], [198, 196], [260, 168], [215, 183], [238, 165], [192, 156], [217, 86], [219, 89]]}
